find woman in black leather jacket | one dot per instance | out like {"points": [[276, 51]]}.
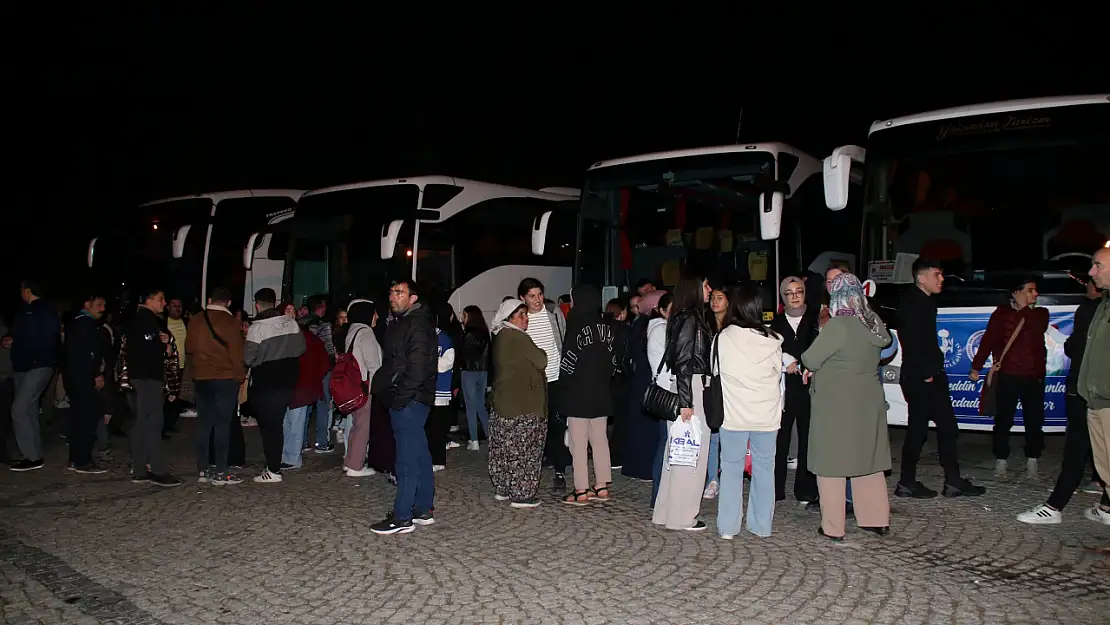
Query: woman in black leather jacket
{"points": [[687, 355]]}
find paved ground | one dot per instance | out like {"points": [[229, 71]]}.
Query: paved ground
{"points": [[97, 549]]}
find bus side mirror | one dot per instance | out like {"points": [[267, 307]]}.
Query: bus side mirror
{"points": [[89, 255], [179, 241], [837, 171], [390, 232], [539, 232], [248, 251], [770, 214]]}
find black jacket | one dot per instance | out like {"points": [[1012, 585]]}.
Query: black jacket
{"points": [[588, 363], [687, 352], [475, 350], [917, 334], [410, 357], [84, 349], [146, 353], [796, 343], [1077, 342], [35, 336]]}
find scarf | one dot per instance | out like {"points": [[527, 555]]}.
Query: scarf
{"points": [[506, 310], [846, 299], [791, 312]]}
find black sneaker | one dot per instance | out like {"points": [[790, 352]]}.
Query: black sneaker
{"points": [[560, 483], [285, 466], [962, 487], [90, 468], [698, 526], [917, 491], [423, 519], [166, 480], [326, 448], [142, 478], [392, 526], [26, 465]]}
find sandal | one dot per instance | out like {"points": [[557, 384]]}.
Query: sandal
{"points": [[596, 493], [577, 498]]}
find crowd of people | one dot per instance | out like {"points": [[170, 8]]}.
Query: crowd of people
{"points": [[689, 389]]}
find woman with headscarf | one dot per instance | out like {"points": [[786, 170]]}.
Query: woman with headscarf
{"points": [[361, 343], [848, 435], [518, 416], [641, 430], [382, 452], [797, 325]]}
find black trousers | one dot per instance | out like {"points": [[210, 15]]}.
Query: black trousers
{"points": [[436, 429], [1030, 391], [618, 392], [929, 401], [7, 435], [1077, 455], [269, 411], [85, 414], [556, 449], [805, 483], [215, 410]]}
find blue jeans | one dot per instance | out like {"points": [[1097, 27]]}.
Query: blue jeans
{"points": [[323, 416], [415, 484], [761, 501], [660, 455], [474, 394], [293, 430], [714, 458]]}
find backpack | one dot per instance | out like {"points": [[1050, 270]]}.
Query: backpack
{"points": [[348, 390]]}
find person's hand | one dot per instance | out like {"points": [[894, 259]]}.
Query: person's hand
{"points": [[98, 382], [165, 338], [792, 367], [973, 375], [806, 376], [686, 414], [929, 379]]}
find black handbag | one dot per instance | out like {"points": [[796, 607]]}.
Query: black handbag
{"points": [[658, 401], [713, 396]]}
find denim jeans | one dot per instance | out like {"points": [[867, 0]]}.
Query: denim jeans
{"points": [[474, 394], [415, 484], [323, 415], [761, 501], [216, 403], [293, 430], [711, 474]]}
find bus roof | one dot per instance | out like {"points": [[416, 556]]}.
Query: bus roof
{"points": [[219, 196], [988, 108], [773, 147]]}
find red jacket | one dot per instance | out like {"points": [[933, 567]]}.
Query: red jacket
{"points": [[1027, 355], [314, 365]]}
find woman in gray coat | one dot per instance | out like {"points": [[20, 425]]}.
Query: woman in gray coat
{"points": [[848, 435]]}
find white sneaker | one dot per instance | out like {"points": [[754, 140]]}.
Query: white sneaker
{"points": [[1031, 468], [363, 472], [1097, 514], [188, 413], [438, 467], [1000, 467], [453, 445], [1041, 515], [501, 497], [472, 446], [710, 491], [792, 464], [268, 478], [202, 478], [728, 536], [454, 429]]}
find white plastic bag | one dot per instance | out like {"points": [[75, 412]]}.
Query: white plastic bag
{"points": [[684, 446]]}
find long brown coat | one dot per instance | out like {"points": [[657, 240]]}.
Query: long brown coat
{"points": [[847, 433]]}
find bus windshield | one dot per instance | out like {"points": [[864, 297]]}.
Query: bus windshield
{"points": [[336, 246], [650, 219]]}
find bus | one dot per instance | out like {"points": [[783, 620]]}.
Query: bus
{"points": [[187, 245], [736, 213], [466, 242], [995, 192]]}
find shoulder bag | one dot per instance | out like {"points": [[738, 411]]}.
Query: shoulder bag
{"points": [[988, 399], [713, 397], [659, 402]]}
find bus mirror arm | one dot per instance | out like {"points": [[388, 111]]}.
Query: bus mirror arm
{"points": [[837, 173], [539, 233]]}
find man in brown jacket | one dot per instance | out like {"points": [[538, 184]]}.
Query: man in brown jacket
{"points": [[215, 346]]}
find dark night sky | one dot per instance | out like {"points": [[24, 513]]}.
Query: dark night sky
{"points": [[114, 105]]}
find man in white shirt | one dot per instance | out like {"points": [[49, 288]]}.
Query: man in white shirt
{"points": [[547, 326]]}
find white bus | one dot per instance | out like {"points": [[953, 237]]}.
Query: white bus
{"points": [[187, 245], [995, 192], [465, 240], [745, 212]]}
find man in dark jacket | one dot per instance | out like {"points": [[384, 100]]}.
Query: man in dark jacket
{"points": [[83, 377], [406, 380], [148, 345], [272, 351], [34, 355], [924, 384]]}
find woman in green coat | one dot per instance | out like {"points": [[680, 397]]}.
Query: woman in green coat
{"points": [[848, 435]]}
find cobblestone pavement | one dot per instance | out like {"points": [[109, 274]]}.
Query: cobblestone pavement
{"points": [[98, 549]]}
